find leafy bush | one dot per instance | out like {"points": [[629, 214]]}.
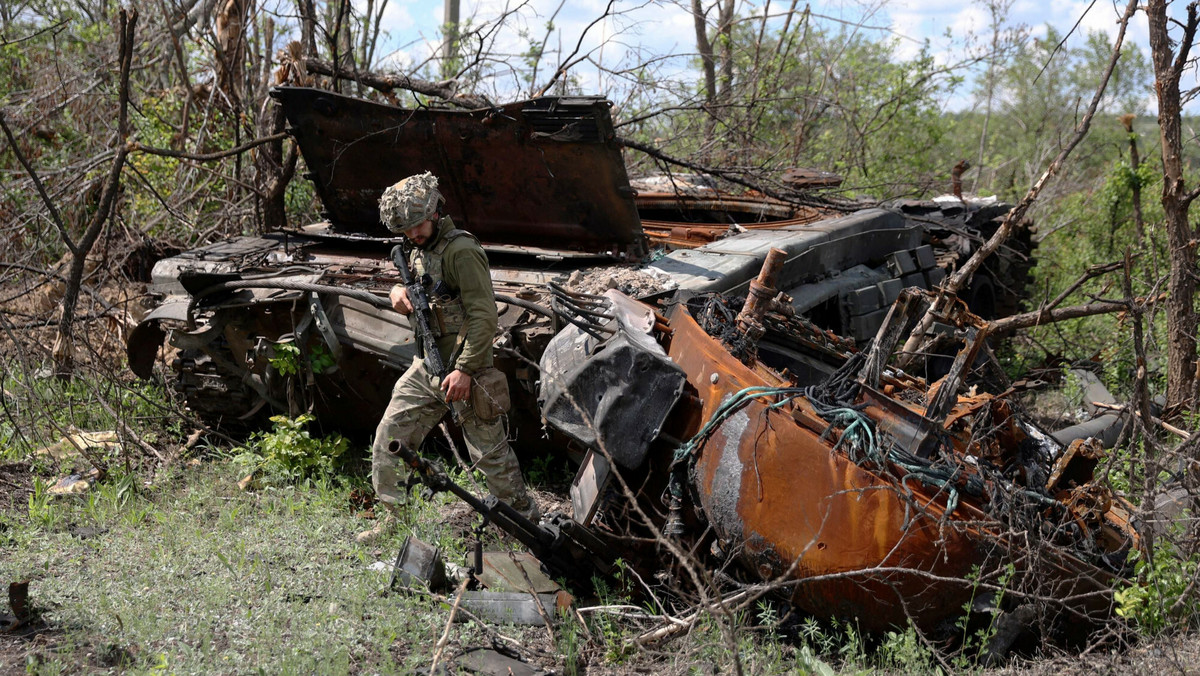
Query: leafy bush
{"points": [[1162, 595], [905, 653], [288, 453], [286, 359]]}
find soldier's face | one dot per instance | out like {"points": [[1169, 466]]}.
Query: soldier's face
{"points": [[421, 233]]}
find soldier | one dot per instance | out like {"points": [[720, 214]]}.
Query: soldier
{"points": [[465, 323]]}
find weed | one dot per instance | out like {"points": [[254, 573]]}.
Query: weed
{"points": [[766, 614], [905, 653], [320, 359], [852, 648], [285, 359], [974, 646], [808, 662], [289, 454], [1162, 594], [42, 510], [570, 640]]}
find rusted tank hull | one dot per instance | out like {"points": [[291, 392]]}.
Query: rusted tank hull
{"points": [[545, 173], [847, 542]]}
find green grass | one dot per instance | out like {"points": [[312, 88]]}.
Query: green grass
{"points": [[194, 576]]}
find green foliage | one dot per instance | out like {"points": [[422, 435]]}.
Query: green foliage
{"points": [[42, 509], [116, 499], [608, 630], [1162, 596], [8, 439], [1091, 227], [904, 652], [832, 99], [1035, 111], [320, 359], [41, 410], [570, 640], [289, 453], [201, 567], [286, 359]]}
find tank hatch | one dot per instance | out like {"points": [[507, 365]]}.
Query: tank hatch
{"points": [[545, 172]]}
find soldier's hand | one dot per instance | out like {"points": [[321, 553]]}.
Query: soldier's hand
{"points": [[457, 386], [399, 298]]}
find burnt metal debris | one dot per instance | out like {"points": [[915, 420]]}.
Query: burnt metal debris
{"points": [[745, 407]]}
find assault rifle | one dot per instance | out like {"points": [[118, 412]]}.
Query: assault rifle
{"points": [[420, 318], [565, 546]]}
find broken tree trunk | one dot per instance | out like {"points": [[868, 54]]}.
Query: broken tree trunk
{"points": [[1176, 199]]}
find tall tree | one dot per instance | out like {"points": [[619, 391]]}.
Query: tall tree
{"points": [[1171, 55]]}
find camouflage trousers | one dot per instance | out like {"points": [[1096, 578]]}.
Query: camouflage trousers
{"points": [[417, 405]]}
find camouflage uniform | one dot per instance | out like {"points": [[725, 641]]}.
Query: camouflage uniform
{"points": [[467, 326]]}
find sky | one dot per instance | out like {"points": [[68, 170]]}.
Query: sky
{"points": [[662, 32]]}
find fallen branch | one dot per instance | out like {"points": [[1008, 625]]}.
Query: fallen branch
{"points": [[1026, 320], [1181, 433], [537, 603], [1091, 273], [441, 644], [727, 175], [386, 83], [207, 157], [128, 431], [678, 626]]}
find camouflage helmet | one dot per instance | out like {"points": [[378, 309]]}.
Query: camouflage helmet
{"points": [[408, 203]]}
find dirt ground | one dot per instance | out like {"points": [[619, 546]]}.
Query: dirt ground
{"points": [[1160, 657]]}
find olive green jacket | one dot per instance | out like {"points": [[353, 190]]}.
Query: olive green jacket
{"points": [[463, 265]]}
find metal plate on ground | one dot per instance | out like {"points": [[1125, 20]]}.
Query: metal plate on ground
{"points": [[512, 607], [493, 663], [502, 571]]}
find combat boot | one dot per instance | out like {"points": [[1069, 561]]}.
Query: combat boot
{"points": [[529, 509], [387, 519]]}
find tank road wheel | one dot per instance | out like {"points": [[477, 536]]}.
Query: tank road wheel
{"points": [[220, 398]]}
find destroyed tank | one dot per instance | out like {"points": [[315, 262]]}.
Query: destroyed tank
{"points": [[719, 360], [297, 320]]}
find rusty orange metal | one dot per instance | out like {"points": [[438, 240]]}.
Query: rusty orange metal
{"points": [[857, 541], [678, 219]]}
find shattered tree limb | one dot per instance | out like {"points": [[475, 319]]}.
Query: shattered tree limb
{"points": [[387, 83], [1026, 320], [914, 346], [732, 177]]}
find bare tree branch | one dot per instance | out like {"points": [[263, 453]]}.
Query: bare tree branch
{"points": [[207, 157], [37, 182], [567, 62], [64, 348]]}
